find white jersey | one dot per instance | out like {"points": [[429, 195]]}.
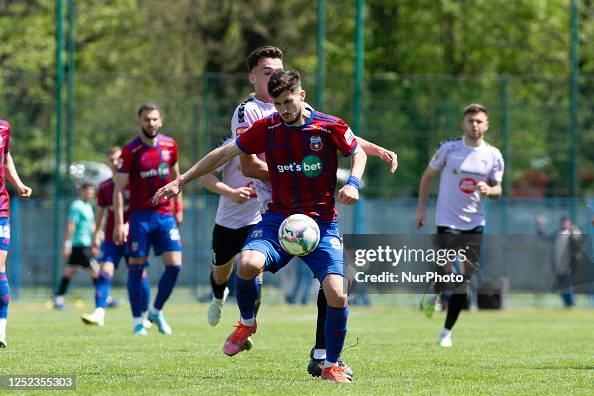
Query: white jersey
{"points": [[248, 112], [231, 214], [462, 167]]}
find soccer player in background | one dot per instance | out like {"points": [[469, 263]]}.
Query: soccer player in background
{"points": [[287, 138], [471, 169], [9, 172], [148, 162], [110, 253], [78, 241], [261, 64]]}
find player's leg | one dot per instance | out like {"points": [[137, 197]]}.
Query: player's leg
{"points": [[137, 250], [135, 292], [146, 296], [335, 327], [470, 242], [226, 244], [261, 252], [251, 264], [166, 241], [219, 279], [4, 294], [68, 273], [326, 262], [111, 255], [102, 288]]}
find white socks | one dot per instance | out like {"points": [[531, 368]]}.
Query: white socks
{"points": [[444, 333], [3, 327], [319, 354], [248, 322]]}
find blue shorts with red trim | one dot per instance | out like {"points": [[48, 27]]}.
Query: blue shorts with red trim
{"points": [[326, 259]]}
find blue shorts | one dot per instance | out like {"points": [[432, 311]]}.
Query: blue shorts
{"points": [[326, 259], [111, 253], [4, 233], [149, 228]]}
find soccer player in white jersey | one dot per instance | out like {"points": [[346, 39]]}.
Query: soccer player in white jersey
{"points": [[471, 169], [262, 63], [237, 214]]}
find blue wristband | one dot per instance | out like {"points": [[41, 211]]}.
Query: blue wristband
{"points": [[354, 181]]}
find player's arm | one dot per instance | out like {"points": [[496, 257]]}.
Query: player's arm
{"points": [[99, 220], [424, 187], [67, 247], [178, 204], [254, 167], [12, 175], [349, 194], [374, 150], [208, 164], [119, 231], [212, 183], [492, 192]]}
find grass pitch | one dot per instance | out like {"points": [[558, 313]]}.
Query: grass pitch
{"points": [[515, 351]]}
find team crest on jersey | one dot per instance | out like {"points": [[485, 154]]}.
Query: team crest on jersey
{"points": [[239, 131], [257, 233], [165, 155], [315, 143], [134, 246]]}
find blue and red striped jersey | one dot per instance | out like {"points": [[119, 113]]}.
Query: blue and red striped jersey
{"points": [[302, 161], [4, 149], [105, 200], [148, 168]]}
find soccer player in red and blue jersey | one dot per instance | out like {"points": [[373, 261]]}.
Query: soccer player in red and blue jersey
{"points": [[7, 171], [148, 163], [301, 147], [111, 254]]}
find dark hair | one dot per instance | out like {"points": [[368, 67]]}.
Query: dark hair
{"points": [[283, 80], [86, 185], [475, 108], [148, 107], [261, 53]]}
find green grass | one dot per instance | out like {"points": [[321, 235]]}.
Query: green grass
{"points": [[525, 351]]}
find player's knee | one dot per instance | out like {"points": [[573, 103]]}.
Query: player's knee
{"points": [[107, 268], [337, 299], [248, 267]]}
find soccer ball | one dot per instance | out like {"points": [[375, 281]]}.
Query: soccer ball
{"points": [[299, 235]]}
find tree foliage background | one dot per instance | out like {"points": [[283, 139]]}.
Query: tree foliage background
{"points": [[424, 60]]}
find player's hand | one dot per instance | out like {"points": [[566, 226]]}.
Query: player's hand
{"points": [[168, 191], [119, 234], [96, 243], [592, 220], [241, 194], [420, 219], [24, 192], [179, 217], [540, 221], [483, 188], [391, 158], [66, 252], [348, 195]]}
